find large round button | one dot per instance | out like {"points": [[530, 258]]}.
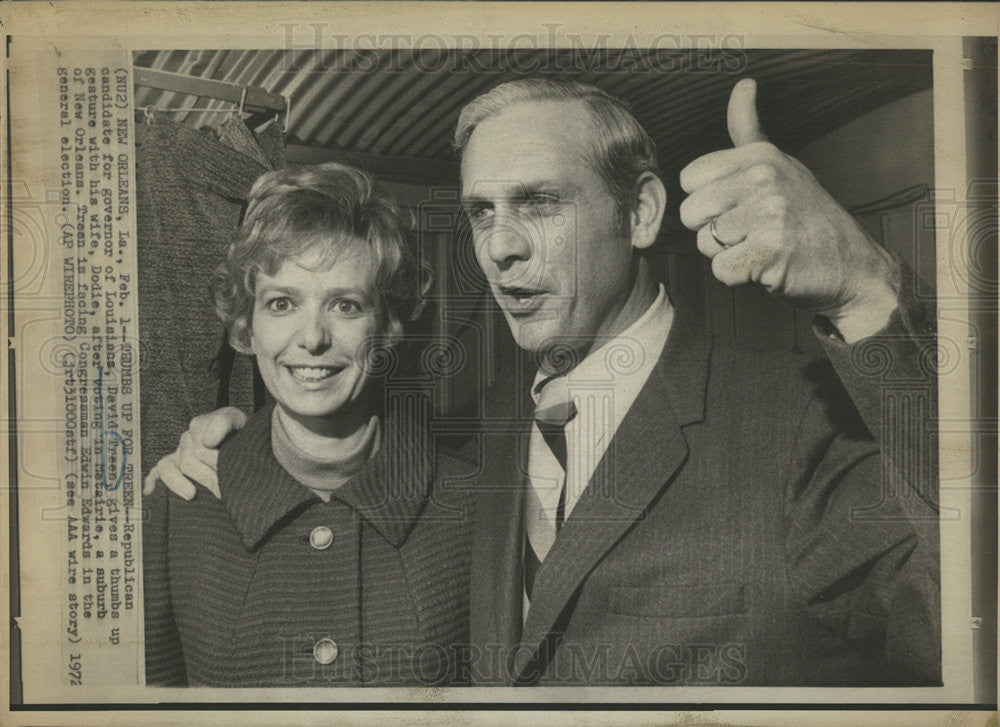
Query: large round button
{"points": [[321, 538], [325, 651]]}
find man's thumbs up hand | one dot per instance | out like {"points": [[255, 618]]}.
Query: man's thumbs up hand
{"points": [[762, 217], [741, 116]]}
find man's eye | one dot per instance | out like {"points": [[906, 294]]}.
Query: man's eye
{"points": [[478, 214], [278, 305], [544, 201]]}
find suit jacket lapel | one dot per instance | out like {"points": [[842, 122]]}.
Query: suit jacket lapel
{"points": [[645, 453]]}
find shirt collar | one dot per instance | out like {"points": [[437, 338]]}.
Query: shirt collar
{"points": [[623, 363], [389, 492]]}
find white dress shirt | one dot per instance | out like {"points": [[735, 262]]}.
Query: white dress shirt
{"points": [[603, 386]]}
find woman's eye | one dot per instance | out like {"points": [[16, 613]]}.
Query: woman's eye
{"points": [[278, 305], [347, 307]]}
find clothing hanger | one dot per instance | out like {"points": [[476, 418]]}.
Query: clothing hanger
{"points": [[247, 99]]}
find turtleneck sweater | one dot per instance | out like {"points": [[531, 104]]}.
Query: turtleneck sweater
{"points": [[323, 475]]}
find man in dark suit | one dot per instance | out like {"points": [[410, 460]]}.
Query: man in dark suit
{"points": [[669, 509]]}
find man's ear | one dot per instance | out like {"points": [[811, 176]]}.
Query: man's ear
{"points": [[646, 217]]}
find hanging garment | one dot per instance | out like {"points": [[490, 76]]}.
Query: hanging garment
{"points": [[191, 187]]}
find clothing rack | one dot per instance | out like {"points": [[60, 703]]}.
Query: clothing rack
{"points": [[252, 99]]}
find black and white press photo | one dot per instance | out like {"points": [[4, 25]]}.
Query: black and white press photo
{"points": [[647, 441], [501, 358]]}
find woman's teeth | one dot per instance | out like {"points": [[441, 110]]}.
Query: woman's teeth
{"points": [[311, 373]]}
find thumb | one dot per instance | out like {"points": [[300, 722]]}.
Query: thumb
{"points": [[741, 116]]}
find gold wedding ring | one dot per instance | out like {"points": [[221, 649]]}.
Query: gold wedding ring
{"points": [[711, 231]]}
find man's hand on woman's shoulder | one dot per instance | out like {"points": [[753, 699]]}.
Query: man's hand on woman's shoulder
{"points": [[197, 456]]}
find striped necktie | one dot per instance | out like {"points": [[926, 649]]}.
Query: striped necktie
{"points": [[541, 521]]}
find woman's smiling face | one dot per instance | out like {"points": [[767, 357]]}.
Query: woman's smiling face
{"points": [[311, 321]]}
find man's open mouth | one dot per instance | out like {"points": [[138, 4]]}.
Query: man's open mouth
{"points": [[519, 301], [518, 293]]}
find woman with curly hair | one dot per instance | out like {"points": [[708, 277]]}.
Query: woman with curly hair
{"points": [[336, 555]]}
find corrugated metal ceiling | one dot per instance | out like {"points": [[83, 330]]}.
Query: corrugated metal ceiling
{"points": [[403, 104]]}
